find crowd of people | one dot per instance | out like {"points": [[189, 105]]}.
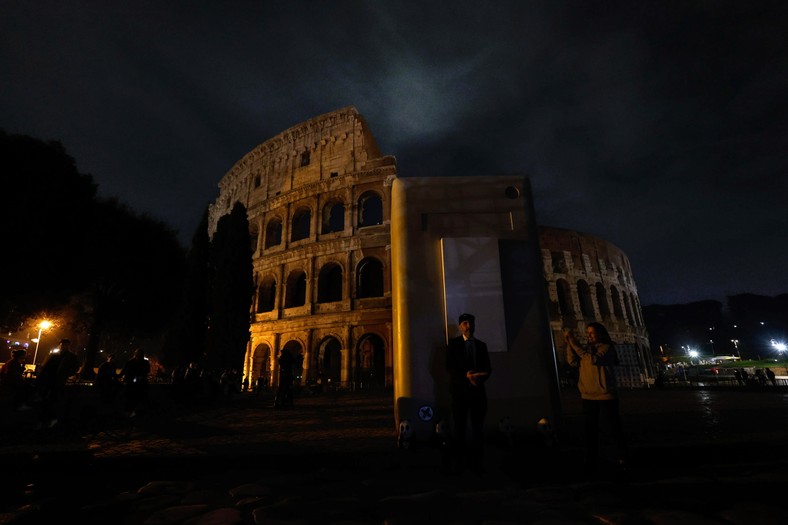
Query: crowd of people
{"points": [[45, 389], [196, 382], [760, 376], [124, 389], [467, 363]]}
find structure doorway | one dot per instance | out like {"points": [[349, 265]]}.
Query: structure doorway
{"points": [[330, 364], [260, 376], [371, 362]]}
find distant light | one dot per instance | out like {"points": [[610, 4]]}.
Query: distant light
{"points": [[780, 346], [693, 353]]}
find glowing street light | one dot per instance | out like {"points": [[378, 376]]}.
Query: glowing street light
{"points": [[43, 325], [736, 346], [691, 352]]}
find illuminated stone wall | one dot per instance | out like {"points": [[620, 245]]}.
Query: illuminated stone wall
{"points": [[589, 279], [319, 200]]}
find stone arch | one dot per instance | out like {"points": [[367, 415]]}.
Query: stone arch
{"points": [[266, 294], [584, 297], [369, 278], [370, 209], [601, 299], [628, 307], [616, 300], [333, 216], [329, 362], [558, 261], [296, 348], [329, 283], [302, 219], [261, 366], [371, 361], [564, 298], [295, 290], [273, 232]]}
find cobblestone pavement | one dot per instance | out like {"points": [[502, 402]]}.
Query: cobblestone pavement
{"points": [[698, 456]]}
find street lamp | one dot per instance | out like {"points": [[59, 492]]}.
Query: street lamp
{"points": [[43, 325]]}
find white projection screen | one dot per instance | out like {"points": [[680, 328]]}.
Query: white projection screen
{"points": [[472, 284]]}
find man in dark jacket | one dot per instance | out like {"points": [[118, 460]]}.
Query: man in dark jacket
{"points": [[468, 364]]}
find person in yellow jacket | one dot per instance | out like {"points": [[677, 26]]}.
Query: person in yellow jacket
{"points": [[597, 360]]}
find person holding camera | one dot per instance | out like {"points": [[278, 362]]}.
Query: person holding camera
{"points": [[598, 388], [468, 364]]}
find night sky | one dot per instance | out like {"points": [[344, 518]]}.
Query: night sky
{"points": [[659, 126]]}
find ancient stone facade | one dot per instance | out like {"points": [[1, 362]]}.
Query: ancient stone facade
{"points": [[589, 279], [318, 197]]}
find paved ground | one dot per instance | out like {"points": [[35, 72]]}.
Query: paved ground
{"points": [[698, 456]]}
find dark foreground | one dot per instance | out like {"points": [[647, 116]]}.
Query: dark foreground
{"points": [[698, 456]]}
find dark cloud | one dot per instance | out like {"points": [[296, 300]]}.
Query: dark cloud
{"points": [[657, 126]]}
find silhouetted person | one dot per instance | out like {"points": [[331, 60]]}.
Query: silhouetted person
{"points": [[14, 382], [771, 376], [598, 390], [51, 381], [659, 382], [230, 382], [260, 384], [468, 365], [192, 381], [737, 375], [135, 378], [107, 380], [284, 392]]}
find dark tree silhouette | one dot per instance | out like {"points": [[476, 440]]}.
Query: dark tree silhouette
{"points": [[50, 204], [109, 272], [135, 266], [232, 287], [186, 339]]}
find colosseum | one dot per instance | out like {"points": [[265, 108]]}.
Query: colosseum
{"points": [[318, 197], [589, 279]]}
